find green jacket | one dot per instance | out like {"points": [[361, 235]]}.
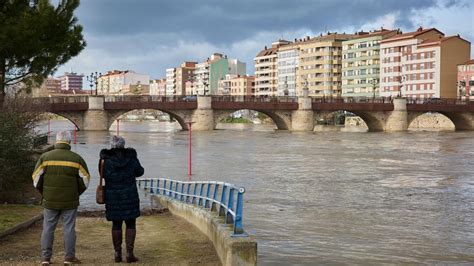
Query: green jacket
{"points": [[61, 176]]}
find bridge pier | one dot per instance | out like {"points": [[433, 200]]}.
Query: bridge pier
{"points": [[397, 120], [203, 116], [303, 118], [96, 118]]}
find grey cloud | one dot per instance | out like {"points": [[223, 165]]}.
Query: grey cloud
{"points": [[150, 35], [224, 21]]}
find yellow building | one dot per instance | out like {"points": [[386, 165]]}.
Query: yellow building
{"points": [[320, 65]]}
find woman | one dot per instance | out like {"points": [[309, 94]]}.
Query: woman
{"points": [[120, 168]]}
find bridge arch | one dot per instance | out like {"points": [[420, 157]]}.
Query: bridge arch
{"points": [[281, 119], [373, 120], [179, 117], [75, 118], [460, 120]]}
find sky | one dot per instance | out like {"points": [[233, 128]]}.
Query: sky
{"points": [[148, 36]]}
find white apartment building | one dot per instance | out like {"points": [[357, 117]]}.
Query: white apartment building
{"points": [[201, 73], [170, 81], [287, 61], [116, 81], [158, 87]]}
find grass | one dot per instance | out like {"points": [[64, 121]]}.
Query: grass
{"points": [[162, 239], [12, 214], [239, 120]]}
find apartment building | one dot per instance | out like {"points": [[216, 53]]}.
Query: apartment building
{"points": [[287, 65], [266, 70], [466, 79], [320, 64], [236, 85], [158, 87], [49, 87], [179, 76], [421, 64], [121, 82], [201, 78], [71, 81], [215, 68], [171, 81], [361, 63]]}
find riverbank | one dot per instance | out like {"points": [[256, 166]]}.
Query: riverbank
{"points": [[13, 214], [162, 239]]}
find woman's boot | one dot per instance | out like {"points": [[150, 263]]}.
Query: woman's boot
{"points": [[130, 235], [117, 240]]}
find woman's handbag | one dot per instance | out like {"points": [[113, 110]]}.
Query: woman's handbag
{"points": [[99, 193]]}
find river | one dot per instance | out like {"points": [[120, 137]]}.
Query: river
{"points": [[325, 197]]}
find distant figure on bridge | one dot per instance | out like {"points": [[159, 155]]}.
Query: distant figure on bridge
{"points": [[120, 168], [61, 176]]}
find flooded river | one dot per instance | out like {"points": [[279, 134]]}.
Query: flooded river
{"points": [[326, 197]]}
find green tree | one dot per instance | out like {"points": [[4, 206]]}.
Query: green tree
{"points": [[35, 39]]}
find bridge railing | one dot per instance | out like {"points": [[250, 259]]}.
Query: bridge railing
{"points": [[443, 101], [60, 100], [149, 98], [352, 100], [254, 99], [224, 198]]}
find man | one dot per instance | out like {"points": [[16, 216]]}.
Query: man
{"points": [[61, 176]]}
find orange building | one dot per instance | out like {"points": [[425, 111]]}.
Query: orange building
{"points": [[237, 85]]}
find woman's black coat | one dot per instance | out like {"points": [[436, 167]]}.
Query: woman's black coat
{"points": [[121, 167]]}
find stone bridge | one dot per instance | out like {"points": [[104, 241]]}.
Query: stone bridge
{"points": [[288, 113]]}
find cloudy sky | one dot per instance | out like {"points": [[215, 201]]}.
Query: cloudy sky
{"points": [[149, 36]]}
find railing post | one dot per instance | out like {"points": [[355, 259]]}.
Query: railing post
{"points": [[171, 189], [194, 193], [238, 229], [223, 196], [208, 194], [176, 190], [164, 187], [182, 192], [213, 203], [158, 186], [201, 192], [187, 192], [230, 205], [151, 187]]}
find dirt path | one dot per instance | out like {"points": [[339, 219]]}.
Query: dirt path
{"points": [[161, 240]]}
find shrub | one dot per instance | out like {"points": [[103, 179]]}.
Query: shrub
{"points": [[17, 142]]}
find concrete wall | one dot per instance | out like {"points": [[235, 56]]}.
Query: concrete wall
{"points": [[231, 250]]}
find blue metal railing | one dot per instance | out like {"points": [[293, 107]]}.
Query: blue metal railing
{"points": [[224, 198]]}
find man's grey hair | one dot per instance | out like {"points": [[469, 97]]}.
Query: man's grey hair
{"points": [[118, 142], [63, 136]]}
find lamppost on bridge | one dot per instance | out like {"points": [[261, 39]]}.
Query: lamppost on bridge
{"points": [[374, 83], [206, 88], [92, 78], [286, 91], [191, 79]]}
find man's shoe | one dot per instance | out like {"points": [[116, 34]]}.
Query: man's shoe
{"points": [[46, 261], [71, 261]]}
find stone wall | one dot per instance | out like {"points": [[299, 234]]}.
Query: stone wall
{"points": [[425, 121], [432, 121], [231, 250]]}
